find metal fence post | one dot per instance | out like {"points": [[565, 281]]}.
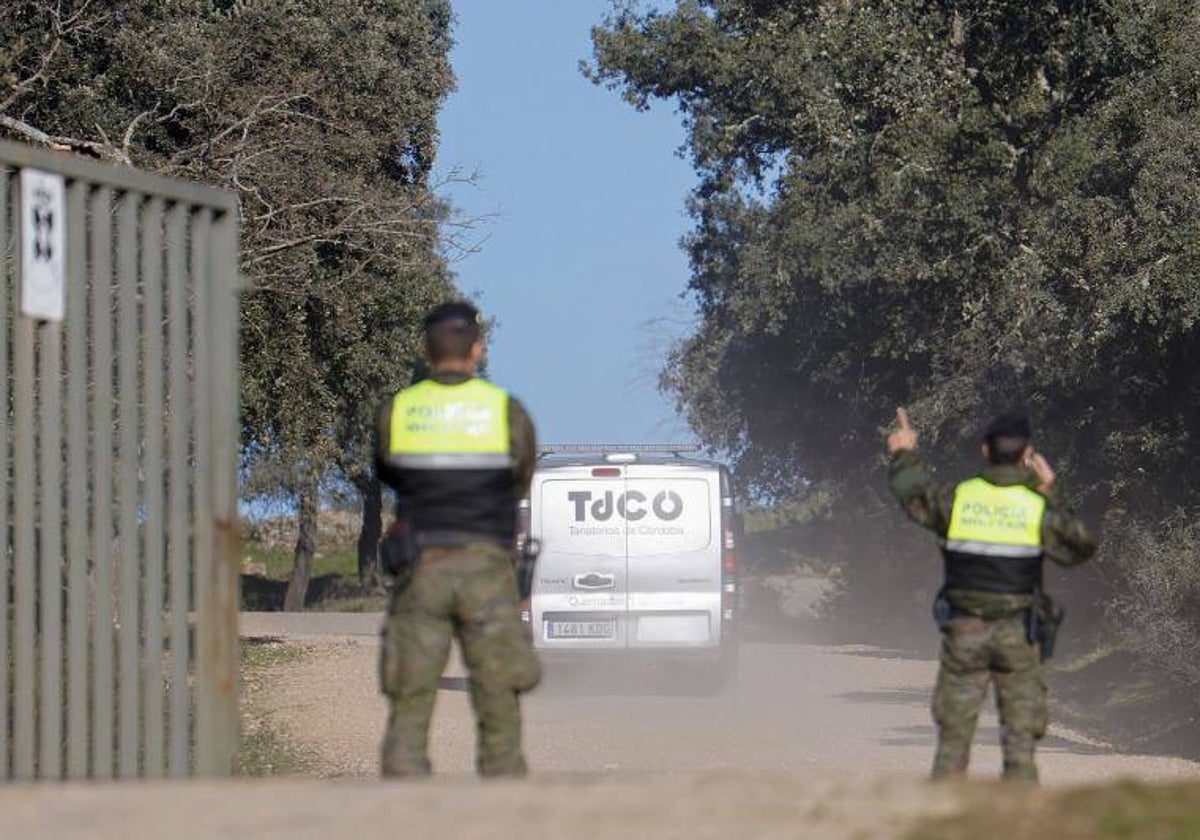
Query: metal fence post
{"points": [[154, 721], [78, 600], [8, 273], [218, 644], [24, 492]]}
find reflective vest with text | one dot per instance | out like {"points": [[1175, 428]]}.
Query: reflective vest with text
{"points": [[465, 426], [994, 542], [451, 446]]}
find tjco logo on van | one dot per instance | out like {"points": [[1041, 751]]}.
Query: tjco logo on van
{"points": [[630, 506]]}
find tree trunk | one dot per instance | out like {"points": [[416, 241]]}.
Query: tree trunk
{"points": [[306, 547], [370, 531]]}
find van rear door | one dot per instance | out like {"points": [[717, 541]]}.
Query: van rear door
{"points": [[579, 596], [674, 568]]}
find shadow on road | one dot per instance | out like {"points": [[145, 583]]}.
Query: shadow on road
{"points": [[890, 696], [926, 736], [261, 594], [868, 652], [608, 681]]}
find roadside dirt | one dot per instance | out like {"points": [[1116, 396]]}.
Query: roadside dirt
{"points": [[812, 741], [852, 711], [683, 806]]}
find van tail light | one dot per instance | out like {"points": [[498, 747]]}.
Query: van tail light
{"points": [[729, 567], [523, 536], [523, 524]]}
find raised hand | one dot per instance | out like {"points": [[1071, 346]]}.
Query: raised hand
{"points": [[904, 438], [1045, 473]]}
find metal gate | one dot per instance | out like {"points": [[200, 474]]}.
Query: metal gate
{"points": [[118, 430]]}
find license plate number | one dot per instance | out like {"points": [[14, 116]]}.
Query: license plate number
{"points": [[581, 629]]}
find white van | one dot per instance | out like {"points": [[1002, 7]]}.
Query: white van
{"points": [[638, 554]]}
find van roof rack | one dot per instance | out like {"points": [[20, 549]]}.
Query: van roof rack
{"points": [[613, 448]]}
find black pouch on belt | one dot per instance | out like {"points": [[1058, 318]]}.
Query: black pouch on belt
{"points": [[398, 554], [942, 611], [527, 557], [1045, 617]]}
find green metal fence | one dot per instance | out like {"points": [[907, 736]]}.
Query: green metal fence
{"points": [[118, 430]]}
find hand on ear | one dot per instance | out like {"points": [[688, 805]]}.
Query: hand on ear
{"points": [[1037, 462], [904, 438]]}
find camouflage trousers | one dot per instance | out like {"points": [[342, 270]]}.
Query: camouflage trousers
{"points": [[469, 593], [976, 652]]}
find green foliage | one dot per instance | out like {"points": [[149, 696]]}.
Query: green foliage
{"points": [[322, 117], [334, 587], [958, 206], [1158, 612], [955, 205]]}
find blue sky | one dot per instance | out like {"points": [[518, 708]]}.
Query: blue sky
{"points": [[580, 259]]}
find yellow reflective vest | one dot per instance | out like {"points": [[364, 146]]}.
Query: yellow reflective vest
{"points": [[996, 521], [450, 427], [449, 452]]}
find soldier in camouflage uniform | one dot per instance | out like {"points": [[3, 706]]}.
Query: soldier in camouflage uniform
{"points": [[995, 530], [460, 453]]}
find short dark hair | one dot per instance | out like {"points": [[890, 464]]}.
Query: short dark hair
{"points": [[451, 329], [1007, 436]]}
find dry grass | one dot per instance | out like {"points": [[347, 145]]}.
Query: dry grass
{"points": [[264, 749], [1123, 809]]}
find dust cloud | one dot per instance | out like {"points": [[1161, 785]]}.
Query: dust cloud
{"points": [[791, 706]]}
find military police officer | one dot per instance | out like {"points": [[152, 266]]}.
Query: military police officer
{"points": [[997, 624], [459, 453]]}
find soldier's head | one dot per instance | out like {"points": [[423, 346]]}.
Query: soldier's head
{"points": [[454, 336], [1007, 438]]}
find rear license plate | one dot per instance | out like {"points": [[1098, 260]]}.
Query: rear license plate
{"points": [[581, 629]]}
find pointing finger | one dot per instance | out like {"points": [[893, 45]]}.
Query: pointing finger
{"points": [[902, 419]]}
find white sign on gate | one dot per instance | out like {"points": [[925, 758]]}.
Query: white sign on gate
{"points": [[43, 244]]}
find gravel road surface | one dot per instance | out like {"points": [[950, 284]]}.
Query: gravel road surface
{"points": [[812, 741], [856, 712]]}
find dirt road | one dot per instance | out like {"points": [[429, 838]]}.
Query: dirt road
{"points": [[812, 741], [850, 712]]}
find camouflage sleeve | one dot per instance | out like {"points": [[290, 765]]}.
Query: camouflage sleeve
{"points": [[1067, 540], [926, 501], [524, 444], [383, 445]]}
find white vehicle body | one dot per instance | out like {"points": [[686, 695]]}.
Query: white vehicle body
{"points": [[637, 553]]}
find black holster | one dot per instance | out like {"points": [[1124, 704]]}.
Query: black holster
{"points": [[1042, 623], [527, 557], [943, 612], [398, 555]]}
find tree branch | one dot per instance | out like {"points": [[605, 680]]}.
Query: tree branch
{"points": [[103, 151]]}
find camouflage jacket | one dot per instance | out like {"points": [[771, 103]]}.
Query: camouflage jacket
{"points": [[1066, 540]]}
